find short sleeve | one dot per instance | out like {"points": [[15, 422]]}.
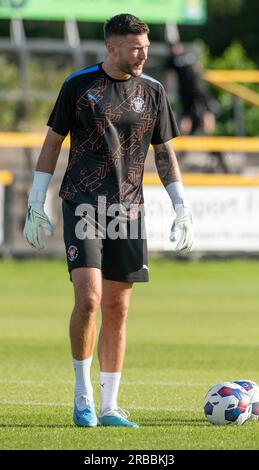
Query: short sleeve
{"points": [[62, 117], [165, 126]]}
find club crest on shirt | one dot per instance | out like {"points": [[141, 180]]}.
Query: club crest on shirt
{"points": [[138, 104], [72, 253]]}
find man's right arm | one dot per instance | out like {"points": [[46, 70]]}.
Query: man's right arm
{"points": [[36, 216], [50, 151]]}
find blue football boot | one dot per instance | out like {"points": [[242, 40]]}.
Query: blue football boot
{"points": [[116, 417], [85, 417]]}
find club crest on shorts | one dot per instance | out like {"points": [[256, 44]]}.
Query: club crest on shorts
{"points": [[138, 104], [72, 253]]}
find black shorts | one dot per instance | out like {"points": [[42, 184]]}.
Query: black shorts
{"points": [[119, 260]]}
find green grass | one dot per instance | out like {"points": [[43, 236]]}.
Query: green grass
{"points": [[195, 324]]}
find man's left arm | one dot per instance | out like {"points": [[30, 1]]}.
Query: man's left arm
{"points": [[169, 172]]}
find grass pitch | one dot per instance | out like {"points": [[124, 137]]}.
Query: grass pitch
{"points": [[195, 324]]}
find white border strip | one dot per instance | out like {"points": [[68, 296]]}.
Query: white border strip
{"points": [[134, 383], [69, 405]]}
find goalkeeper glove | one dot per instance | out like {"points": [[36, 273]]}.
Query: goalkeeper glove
{"points": [[36, 217], [182, 233]]}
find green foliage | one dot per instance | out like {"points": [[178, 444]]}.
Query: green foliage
{"points": [[9, 79], [223, 7], [228, 21], [46, 75], [248, 18], [233, 58]]}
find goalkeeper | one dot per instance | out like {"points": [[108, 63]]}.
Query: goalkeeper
{"points": [[113, 112]]}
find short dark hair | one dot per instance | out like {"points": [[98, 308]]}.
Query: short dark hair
{"points": [[123, 24]]}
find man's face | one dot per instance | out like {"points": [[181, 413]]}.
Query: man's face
{"points": [[129, 53]]}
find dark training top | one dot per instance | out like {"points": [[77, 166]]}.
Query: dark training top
{"points": [[112, 123]]}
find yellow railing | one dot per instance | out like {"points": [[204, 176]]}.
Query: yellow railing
{"points": [[190, 143], [227, 80], [6, 178], [201, 179], [194, 144], [243, 76]]}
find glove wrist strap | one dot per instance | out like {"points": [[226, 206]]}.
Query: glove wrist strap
{"points": [[37, 197], [176, 193], [39, 187]]}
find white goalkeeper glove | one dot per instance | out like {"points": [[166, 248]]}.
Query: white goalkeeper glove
{"points": [[36, 217], [182, 233]]}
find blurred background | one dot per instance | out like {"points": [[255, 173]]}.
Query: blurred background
{"points": [[206, 55]]}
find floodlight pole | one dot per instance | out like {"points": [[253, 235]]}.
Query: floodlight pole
{"points": [[18, 38], [72, 38]]}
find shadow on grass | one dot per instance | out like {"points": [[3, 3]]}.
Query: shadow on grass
{"points": [[36, 426], [174, 422], [146, 423]]}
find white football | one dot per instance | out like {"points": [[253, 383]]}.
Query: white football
{"points": [[227, 403], [253, 391]]}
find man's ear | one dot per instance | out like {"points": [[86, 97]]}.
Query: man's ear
{"points": [[110, 45]]}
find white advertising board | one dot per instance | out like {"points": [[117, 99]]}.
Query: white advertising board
{"points": [[226, 218], [2, 189]]}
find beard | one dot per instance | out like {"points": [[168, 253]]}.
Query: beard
{"points": [[135, 70]]}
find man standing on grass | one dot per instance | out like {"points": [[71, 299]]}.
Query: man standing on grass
{"points": [[113, 113]]}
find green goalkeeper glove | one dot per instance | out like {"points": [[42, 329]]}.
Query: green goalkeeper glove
{"points": [[36, 217]]}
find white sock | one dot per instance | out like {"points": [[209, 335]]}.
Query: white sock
{"points": [[110, 382], [83, 386]]}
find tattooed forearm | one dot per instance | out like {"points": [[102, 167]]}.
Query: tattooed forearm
{"points": [[166, 163]]}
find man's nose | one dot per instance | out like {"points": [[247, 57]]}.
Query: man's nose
{"points": [[143, 54]]}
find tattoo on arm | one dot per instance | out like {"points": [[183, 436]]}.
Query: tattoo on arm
{"points": [[166, 163]]}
